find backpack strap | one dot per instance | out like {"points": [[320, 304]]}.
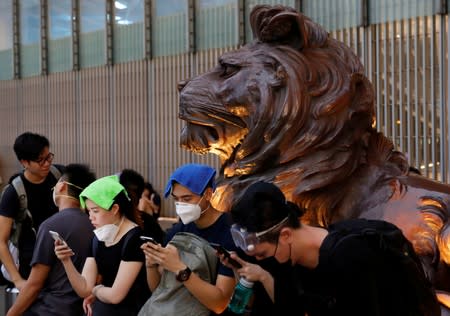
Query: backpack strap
{"points": [[17, 183], [55, 172], [23, 213]]}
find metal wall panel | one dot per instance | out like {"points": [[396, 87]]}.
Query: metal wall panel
{"points": [[63, 117], [406, 61], [9, 118], [96, 142], [129, 117]]}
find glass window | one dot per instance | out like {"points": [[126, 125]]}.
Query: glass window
{"points": [[334, 15], [216, 24], [129, 28], [92, 33], [30, 37], [6, 40], [169, 27], [388, 10], [60, 35]]}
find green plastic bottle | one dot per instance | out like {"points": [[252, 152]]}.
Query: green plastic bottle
{"points": [[241, 296]]}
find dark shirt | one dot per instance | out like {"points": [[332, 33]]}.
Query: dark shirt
{"points": [[351, 279], [57, 297], [218, 232], [41, 206], [108, 260]]}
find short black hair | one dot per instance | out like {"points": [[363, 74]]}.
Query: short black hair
{"points": [[262, 206], [134, 183], [80, 175], [156, 197], [28, 146]]}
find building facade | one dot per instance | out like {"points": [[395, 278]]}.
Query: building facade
{"points": [[99, 77]]}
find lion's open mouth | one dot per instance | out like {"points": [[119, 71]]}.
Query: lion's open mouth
{"points": [[198, 138]]}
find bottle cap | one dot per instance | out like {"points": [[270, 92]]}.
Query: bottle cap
{"points": [[246, 283]]}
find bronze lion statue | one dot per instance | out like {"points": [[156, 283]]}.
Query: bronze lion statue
{"points": [[294, 107]]}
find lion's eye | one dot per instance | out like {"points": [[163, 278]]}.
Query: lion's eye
{"points": [[229, 70]]}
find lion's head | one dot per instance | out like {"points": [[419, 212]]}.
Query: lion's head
{"points": [[293, 107]]}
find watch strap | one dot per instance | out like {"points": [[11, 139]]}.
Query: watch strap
{"points": [[183, 275]]}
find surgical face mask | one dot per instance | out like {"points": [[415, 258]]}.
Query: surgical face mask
{"points": [[188, 212], [54, 196], [54, 193], [107, 232]]}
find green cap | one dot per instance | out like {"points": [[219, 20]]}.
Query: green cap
{"points": [[102, 192]]}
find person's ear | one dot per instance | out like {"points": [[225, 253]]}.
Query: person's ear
{"points": [[25, 163], [115, 209], [285, 235], [63, 186], [208, 194]]}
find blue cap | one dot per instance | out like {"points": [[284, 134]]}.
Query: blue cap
{"points": [[195, 177]]}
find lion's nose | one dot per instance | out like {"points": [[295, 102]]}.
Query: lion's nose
{"points": [[182, 84]]}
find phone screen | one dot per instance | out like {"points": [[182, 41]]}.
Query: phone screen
{"points": [[150, 239], [56, 236], [222, 251]]}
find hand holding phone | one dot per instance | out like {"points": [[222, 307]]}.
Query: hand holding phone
{"points": [[222, 251], [56, 236], [150, 239]]}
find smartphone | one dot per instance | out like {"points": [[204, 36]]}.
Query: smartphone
{"points": [[150, 239], [222, 251], [56, 236]]}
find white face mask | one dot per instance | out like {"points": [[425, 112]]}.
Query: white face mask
{"points": [[188, 212], [54, 196], [107, 232]]}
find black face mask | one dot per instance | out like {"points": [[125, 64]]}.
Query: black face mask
{"points": [[271, 262], [289, 260]]}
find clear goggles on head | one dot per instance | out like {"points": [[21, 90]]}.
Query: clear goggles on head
{"points": [[247, 241]]}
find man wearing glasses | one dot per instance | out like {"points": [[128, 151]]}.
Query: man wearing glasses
{"points": [[38, 178]]}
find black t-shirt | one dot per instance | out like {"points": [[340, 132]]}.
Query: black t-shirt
{"points": [[351, 279], [41, 206], [108, 261]]}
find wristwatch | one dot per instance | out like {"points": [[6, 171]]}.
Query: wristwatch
{"points": [[183, 275]]}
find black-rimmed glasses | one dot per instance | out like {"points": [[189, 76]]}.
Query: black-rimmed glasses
{"points": [[41, 161]]}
